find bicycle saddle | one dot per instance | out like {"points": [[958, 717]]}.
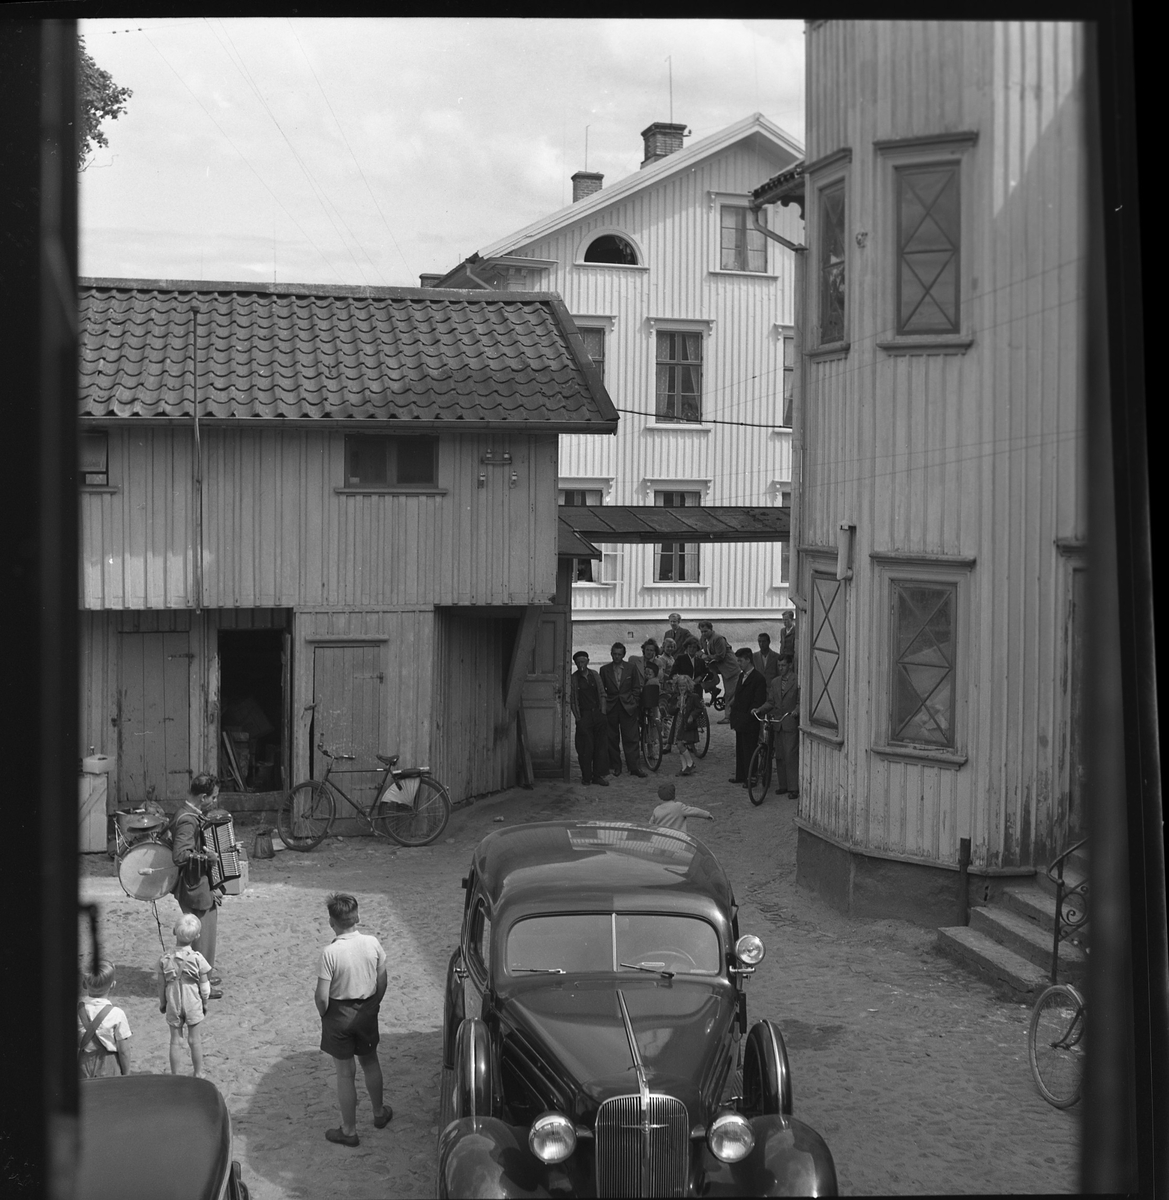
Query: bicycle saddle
{"points": [[390, 760]]}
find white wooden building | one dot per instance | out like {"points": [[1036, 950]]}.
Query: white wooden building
{"points": [[686, 308], [940, 492]]}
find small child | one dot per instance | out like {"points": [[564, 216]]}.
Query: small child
{"points": [[690, 708], [183, 991], [102, 1028], [672, 813]]}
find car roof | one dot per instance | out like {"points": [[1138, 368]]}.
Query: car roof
{"points": [[587, 864]]}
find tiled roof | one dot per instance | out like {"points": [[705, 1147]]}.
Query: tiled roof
{"points": [[247, 351], [791, 180]]}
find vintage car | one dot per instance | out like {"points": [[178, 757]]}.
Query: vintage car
{"points": [[154, 1136], [595, 1034]]}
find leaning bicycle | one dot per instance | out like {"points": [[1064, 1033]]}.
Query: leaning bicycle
{"points": [[411, 807], [762, 765]]}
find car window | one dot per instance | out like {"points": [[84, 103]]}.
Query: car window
{"points": [[479, 937], [574, 942]]}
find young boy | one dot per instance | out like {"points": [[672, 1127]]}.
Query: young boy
{"points": [[183, 991], [351, 981], [102, 1028], [672, 813]]}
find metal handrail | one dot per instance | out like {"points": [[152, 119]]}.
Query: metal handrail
{"points": [[1071, 921]]}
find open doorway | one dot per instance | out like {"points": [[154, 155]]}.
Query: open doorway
{"points": [[251, 708]]}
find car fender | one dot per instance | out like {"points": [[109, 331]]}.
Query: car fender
{"points": [[789, 1159], [767, 1077], [473, 1092], [480, 1157], [453, 1009]]}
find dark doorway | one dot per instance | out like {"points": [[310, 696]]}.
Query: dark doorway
{"points": [[251, 708]]}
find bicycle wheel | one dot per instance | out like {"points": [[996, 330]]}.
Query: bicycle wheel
{"points": [[759, 774], [1055, 1044], [306, 814], [421, 822], [651, 745], [703, 743]]}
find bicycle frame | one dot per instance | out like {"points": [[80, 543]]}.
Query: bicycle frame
{"points": [[366, 815]]}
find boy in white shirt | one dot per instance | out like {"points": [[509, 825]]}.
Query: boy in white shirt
{"points": [[184, 987], [102, 1029], [351, 981]]}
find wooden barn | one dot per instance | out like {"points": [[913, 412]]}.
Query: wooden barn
{"points": [[323, 516], [939, 481]]}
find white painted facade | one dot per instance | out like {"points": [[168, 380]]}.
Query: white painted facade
{"points": [[739, 452]]}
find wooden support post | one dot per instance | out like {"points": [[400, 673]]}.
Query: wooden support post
{"points": [[525, 756], [521, 653]]}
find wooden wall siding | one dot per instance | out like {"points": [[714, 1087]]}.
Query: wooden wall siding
{"points": [[979, 454], [472, 656], [276, 534], [677, 229]]}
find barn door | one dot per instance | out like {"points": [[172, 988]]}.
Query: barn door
{"points": [[543, 694], [154, 716], [348, 685]]}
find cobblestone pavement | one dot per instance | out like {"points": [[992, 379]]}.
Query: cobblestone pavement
{"points": [[914, 1072]]}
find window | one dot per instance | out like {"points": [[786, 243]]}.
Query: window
{"points": [[676, 562], [922, 693], [93, 459], [827, 603], [594, 343], [789, 375], [679, 382], [479, 939], [384, 461], [927, 249], [741, 246], [611, 248], [582, 568], [785, 549], [832, 264]]}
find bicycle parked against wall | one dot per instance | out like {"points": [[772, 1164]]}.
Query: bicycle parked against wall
{"points": [[411, 807], [1055, 1037]]}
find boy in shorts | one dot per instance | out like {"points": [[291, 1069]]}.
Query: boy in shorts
{"points": [[183, 991], [351, 981], [102, 1029]]}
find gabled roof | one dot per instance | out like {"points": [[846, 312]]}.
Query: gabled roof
{"points": [[754, 126], [441, 359]]}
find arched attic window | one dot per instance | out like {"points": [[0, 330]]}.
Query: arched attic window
{"points": [[611, 248]]}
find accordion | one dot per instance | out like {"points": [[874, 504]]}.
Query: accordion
{"points": [[220, 846]]}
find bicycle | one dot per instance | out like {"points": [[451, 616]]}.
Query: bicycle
{"points": [[762, 764], [650, 739], [701, 745], [1055, 1035], [416, 816]]}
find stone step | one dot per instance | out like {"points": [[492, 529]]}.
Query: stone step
{"points": [[1015, 932], [1021, 979], [1032, 902]]}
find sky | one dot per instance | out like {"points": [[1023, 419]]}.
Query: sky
{"points": [[369, 151]]}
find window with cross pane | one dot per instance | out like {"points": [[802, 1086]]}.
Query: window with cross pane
{"points": [[832, 263], [827, 604], [582, 568], [679, 378], [676, 562], [928, 249], [921, 703], [742, 247]]}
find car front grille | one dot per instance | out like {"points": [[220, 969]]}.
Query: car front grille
{"points": [[637, 1156]]}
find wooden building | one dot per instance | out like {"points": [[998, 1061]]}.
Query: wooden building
{"points": [[686, 308], [323, 516], [939, 480]]}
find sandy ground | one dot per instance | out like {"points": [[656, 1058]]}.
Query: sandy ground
{"points": [[915, 1073]]}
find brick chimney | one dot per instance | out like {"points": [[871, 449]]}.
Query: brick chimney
{"points": [[661, 139], [428, 280], [585, 183]]}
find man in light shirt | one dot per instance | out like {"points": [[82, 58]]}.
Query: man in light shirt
{"points": [[351, 981]]}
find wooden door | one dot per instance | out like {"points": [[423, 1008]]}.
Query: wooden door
{"points": [[543, 695], [154, 717], [348, 686]]}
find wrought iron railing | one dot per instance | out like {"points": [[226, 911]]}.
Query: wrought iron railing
{"points": [[1071, 906]]}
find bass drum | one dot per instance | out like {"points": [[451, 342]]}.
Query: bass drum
{"points": [[146, 871]]}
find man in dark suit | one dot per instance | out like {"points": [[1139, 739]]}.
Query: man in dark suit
{"points": [[750, 692], [678, 632], [586, 697], [783, 703], [766, 661], [622, 682]]}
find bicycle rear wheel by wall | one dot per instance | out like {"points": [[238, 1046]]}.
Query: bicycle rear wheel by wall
{"points": [[651, 746], [759, 774], [703, 744], [1055, 1044], [423, 820], [306, 814]]}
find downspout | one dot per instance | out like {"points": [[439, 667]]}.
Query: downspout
{"points": [[797, 466], [198, 573]]}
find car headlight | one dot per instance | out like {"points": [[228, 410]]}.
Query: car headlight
{"points": [[749, 949], [730, 1137], [552, 1138]]}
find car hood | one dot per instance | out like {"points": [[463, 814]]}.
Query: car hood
{"points": [[577, 1028]]}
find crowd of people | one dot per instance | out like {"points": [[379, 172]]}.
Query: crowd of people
{"points": [[630, 698]]}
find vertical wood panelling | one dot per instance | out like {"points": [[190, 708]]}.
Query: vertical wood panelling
{"points": [[977, 454]]}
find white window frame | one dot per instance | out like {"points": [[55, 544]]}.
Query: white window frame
{"points": [[612, 561], [674, 485], [589, 236], [820, 565], [715, 203], [929, 571], [782, 488], [820, 176]]}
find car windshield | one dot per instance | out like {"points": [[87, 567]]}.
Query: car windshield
{"points": [[623, 942]]}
